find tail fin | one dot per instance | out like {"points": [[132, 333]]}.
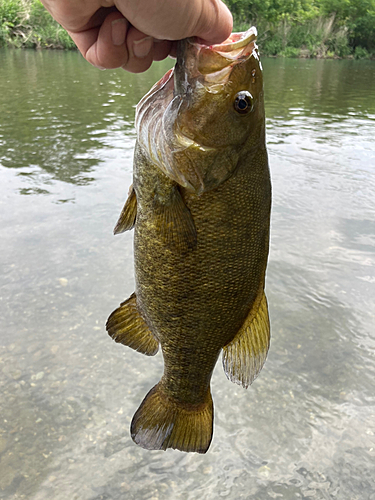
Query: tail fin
{"points": [[161, 423]]}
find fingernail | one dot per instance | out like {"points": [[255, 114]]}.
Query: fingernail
{"points": [[119, 29], [141, 48]]}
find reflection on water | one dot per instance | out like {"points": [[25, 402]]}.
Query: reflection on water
{"points": [[305, 429]]}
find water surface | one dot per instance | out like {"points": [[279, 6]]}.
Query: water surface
{"points": [[305, 429]]}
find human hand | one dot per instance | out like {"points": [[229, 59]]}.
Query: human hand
{"points": [[133, 33]]}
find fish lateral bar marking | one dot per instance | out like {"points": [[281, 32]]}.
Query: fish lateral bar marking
{"points": [[128, 215], [161, 422], [245, 355], [126, 326]]}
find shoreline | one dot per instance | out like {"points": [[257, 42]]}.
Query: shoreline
{"points": [[303, 53]]}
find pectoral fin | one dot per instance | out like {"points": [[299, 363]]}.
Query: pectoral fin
{"points": [[175, 222], [126, 326], [128, 215], [244, 356]]}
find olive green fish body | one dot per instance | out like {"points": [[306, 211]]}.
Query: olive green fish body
{"points": [[195, 302], [200, 206]]}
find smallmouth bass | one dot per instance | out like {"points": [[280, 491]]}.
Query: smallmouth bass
{"points": [[200, 207]]}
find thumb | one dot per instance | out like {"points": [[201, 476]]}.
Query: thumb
{"points": [[215, 23]]}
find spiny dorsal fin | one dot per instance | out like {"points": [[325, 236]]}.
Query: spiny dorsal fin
{"points": [[161, 423], [245, 355], [176, 223], [126, 326], [128, 214]]}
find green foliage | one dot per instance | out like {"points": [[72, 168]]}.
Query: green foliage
{"points": [[358, 16], [290, 52], [361, 53], [338, 42], [9, 11], [320, 28], [49, 33], [271, 45], [26, 23]]}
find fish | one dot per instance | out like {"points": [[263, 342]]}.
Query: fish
{"points": [[200, 207]]}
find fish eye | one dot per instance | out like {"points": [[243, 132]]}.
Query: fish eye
{"points": [[244, 102]]}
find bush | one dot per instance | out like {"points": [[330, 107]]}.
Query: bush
{"points": [[361, 53], [9, 11], [46, 32], [338, 43], [9, 18], [28, 24], [320, 26], [271, 44], [291, 52]]}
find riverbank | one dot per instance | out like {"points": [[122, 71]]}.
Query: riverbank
{"points": [[26, 24], [317, 38]]}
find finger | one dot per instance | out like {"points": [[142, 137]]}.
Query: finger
{"points": [[141, 50], [110, 50], [215, 23], [76, 16], [85, 40], [173, 51], [105, 46], [162, 48]]}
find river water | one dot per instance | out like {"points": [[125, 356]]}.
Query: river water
{"points": [[306, 427]]}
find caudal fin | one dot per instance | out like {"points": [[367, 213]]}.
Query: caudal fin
{"points": [[161, 423]]}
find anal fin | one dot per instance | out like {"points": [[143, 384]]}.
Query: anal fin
{"points": [[126, 326], [245, 355], [128, 214]]}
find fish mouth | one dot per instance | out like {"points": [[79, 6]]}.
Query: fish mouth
{"points": [[194, 60], [211, 64], [237, 47], [214, 58], [237, 41]]}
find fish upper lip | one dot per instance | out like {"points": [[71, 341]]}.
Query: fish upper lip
{"points": [[235, 41], [206, 60]]}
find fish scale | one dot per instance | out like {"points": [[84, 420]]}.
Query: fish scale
{"points": [[201, 238]]}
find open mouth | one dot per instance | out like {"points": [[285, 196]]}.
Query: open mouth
{"points": [[236, 41], [214, 58]]}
